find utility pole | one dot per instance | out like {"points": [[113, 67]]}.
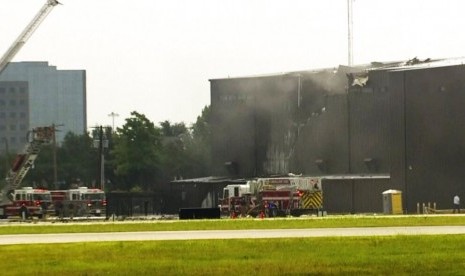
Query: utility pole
{"points": [[54, 147], [7, 154], [54, 150], [101, 144], [102, 161], [350, 35]]}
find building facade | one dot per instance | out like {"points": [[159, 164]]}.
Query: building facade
{"points": [[34, 94], [364, 130]]}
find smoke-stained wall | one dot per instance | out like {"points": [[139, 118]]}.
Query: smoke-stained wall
{"points": [[368, 125], [233, 122], [402, 121], [322, 147], [253, 125]]}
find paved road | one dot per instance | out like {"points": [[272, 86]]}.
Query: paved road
{"points": [[228, 234]]}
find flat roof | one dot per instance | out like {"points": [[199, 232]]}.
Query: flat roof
{"points": [[412, 64]]}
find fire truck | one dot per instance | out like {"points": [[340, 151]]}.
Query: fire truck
{"points": [[79, 202], [28, 202], [270, 197], [12, 198]]}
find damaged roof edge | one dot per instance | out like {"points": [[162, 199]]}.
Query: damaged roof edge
{"points": [[413, 63]]}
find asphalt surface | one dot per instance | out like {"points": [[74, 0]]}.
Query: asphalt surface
{"points": [[228, 234]]}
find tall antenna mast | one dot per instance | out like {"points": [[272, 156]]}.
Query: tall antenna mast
{"points": [[349, 24]]}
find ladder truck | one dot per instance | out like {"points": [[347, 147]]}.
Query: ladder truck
{"points": [[274, 196], [79, 202], [27, 200], [35, 202], [26, 34]]}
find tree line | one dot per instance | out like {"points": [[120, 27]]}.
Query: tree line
{"points": [[138, 156]]}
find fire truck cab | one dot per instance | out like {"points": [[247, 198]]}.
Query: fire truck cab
{"points": [[278, 196], [28, 201]]}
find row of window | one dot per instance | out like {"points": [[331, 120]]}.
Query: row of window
{"points": [[234, 98], [13, 140], [13, 115], [13, 102], [13, 90], [13, 127]]}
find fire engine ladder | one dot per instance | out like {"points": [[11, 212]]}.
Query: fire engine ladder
{"points": [[25, 161], [27, 32]]}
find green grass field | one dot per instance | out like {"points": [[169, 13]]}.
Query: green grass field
{"points": [[230, 224], [393, 255], [390, 255]]}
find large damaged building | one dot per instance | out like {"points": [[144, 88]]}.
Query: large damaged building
{"points": [[364, 129]]}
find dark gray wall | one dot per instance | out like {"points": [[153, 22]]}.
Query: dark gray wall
{"points": [[324, 139], [433, 142], [248, 119], [406, 122], [354, 195], [369, 126]]}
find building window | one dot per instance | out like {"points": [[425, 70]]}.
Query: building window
{"points": [[12, 102], [22, 102], [22, 115], [2, 90], [2, 102], [2, 127], [12, 127], [12, 90], [2, 115], [22, 90], [12, 115], [12, 140]]}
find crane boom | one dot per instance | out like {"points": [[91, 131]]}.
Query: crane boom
{"points": [[27, 32]]}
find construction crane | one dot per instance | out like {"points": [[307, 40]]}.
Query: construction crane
{"points": [[26, 34]]}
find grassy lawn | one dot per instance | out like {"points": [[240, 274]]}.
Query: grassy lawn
{"points": [[230, 224], [391, 255]]}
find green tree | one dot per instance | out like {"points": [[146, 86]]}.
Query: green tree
{"points": [[42, 173], [175, 157], [199, 146], [137, 153], [77, 159], [6, 160], [170, 130]]}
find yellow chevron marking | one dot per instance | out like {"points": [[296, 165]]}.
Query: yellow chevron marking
{"points": [[312, 200]]}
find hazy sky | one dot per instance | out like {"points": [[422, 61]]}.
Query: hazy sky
{"points": [[156, 57]]}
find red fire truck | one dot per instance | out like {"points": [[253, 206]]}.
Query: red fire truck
{"points": [[79, 202], [278, 196], [28, 202], [12, 197]]}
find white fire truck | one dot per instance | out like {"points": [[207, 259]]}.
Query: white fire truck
{"points": [[279, 196], [79, 202], [12, 198]]}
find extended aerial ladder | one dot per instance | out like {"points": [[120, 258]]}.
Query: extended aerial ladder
{"points": [[27, 32], [25, 160]]}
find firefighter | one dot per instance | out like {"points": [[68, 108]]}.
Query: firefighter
{"points": [[273, 209], [267, 208], [24, 212], [43, 208]]}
